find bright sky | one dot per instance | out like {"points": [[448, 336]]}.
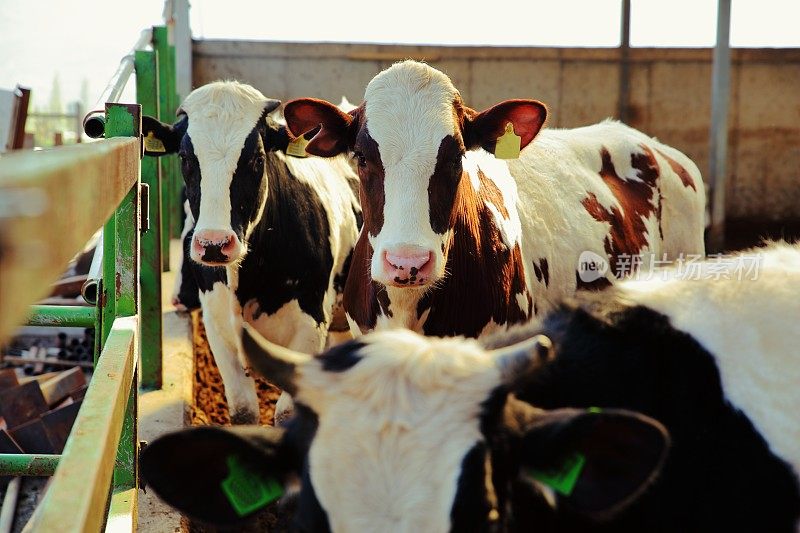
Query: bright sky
{"points": [[86, 38]]}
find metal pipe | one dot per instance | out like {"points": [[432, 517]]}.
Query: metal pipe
{"points": [[624, 62], [67, 316], [22, 360], [28, 464], [718, 137], [9, 505], [89, 289], [94, 123]]}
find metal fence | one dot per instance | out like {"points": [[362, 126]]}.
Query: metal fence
{"points": [[53, 201]]}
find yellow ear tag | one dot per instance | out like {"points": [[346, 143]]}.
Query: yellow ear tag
{"points": [[508, 144], [151, 144], [297, 148]]}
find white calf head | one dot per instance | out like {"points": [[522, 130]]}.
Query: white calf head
{"points": [[398, 432]]}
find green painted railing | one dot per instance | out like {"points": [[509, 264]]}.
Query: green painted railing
{"points": [[59, 198], [20, 464]]}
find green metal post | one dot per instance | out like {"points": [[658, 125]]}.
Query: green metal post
{"points": [[177, 177], [24, 464], [124, 120], [108, 297], [146, 64], [170, 215], [67, 316]]}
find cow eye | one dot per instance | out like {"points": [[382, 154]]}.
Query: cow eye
{"points": [[259, 161]]}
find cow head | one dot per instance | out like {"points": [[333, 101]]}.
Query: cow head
{"points": [[408, 138], [222, 135], [399, 432]]}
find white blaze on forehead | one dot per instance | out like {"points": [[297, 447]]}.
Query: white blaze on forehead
{"points": [[394, 430], [409, 110], [221, 116]]}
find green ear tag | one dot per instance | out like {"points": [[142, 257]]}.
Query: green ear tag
{"points": [[151, 144], [508, 144], [246, 490], [297, 148], [564, 479]]}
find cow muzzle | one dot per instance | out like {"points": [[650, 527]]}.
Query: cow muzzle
{"points": [[214, 247], [407, 266]]}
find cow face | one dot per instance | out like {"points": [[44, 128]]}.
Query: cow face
{"points": [[223, 136], [399, 432], [408, 139]]}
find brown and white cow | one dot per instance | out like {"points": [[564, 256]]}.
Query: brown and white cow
{"points": [[458, 242]]}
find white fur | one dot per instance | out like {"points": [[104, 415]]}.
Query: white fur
{"points": [[409, 110], [554, 175], [412, 415], [752, 329], [288, 326]]}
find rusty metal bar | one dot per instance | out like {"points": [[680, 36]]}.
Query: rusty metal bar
{"points": [[22, 360], [26, 464], [20, 118]]}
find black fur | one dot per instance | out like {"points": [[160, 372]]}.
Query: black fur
{"points": [[342, 357], [290, 246], [720, 474], [472, 504]]}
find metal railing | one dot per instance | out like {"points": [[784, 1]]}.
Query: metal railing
{"points": [[53, 201]]}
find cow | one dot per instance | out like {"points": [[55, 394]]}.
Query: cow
{"points": [[184, 290], [269, 236], [457, 241], [399, 432]]}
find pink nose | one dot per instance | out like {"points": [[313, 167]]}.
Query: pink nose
{"points": [[214, 246], [407, 266]]}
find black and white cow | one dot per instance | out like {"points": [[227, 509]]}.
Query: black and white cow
{"points": [[271, 234], [399, 432]]}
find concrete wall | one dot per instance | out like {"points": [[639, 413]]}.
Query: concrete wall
{"points": [[670, 96]]}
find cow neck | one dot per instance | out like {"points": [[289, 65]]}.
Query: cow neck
{"points": [[292, 234], [484, 275]]}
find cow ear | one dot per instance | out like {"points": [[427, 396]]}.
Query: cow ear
{"points": [[597, 462], [335, 134], [161, 138], [483, 129], [217, 475]]}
